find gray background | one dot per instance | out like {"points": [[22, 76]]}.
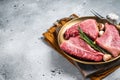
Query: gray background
{"points": [[23, 54]]}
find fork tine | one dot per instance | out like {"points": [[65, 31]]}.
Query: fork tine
{"points": [[97, 14]]}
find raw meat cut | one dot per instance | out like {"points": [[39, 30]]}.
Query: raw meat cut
{"points": [[88, 26], [110, 40], [79, 48]]}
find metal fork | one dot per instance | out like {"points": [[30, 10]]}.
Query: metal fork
{"points": [[103, 18]]}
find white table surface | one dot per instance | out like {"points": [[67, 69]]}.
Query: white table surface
{"points": [[23, 54]]}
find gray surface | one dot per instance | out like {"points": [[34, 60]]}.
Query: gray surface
{"points": [[23, 55]]}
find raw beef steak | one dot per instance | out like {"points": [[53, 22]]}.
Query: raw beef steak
{"points": [[88, 26], [79, 48], [110, 40]]}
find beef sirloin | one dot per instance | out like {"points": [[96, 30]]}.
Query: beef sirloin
{"points": [[88, 26], [110, 40], [79, 48]]}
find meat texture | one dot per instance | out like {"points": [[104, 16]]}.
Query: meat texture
{"points": [[79, 48], [110, 40], [88, 26]]}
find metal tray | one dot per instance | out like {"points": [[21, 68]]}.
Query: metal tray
{"points": [[68, 25]]}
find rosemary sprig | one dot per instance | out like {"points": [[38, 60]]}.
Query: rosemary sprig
{"points": [[89, 41]]}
